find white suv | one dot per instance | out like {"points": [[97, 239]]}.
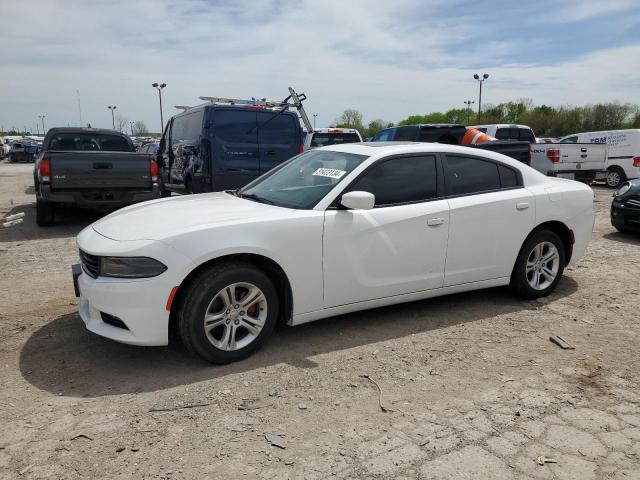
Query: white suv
{"points": [[321, 137]]}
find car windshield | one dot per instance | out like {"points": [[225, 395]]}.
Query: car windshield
{"points": [[331, 138], [304, 180]]}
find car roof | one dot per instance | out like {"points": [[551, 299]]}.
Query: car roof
{"points": [[501, 125], [335, 130], [83, 130]]}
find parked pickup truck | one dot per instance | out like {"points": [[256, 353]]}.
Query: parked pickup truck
{"points": [[451, 134], [91, 168], [584, 162]]}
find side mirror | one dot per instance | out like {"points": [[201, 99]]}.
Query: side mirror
{"points": [[358, 200]]}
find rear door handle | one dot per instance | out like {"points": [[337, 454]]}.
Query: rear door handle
{"points": [[432, 222], [584, 155], [522, 205], [583, 149]]}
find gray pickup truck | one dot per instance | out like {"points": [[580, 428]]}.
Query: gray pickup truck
{"points": [[91, 168]]}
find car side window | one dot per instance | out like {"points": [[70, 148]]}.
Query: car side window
{"points": [[400, 180], [508, 177], [467, 175]]}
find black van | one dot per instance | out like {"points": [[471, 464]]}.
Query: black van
{"points": [[214, 147]]}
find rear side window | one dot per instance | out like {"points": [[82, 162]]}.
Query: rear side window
{"points": [[526, 135], [68, 141], [466, 175], [322, 139], [508, 177], [400, 180]]}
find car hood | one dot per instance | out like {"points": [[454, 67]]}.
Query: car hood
{"points": [[164, 218]]}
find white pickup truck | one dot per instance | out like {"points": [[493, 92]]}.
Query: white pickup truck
{"points": [[585, 162]]}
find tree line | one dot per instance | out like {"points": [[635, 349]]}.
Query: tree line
{"points": [[546, 121]]}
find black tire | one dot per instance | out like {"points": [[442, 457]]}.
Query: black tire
{"points": [[622, 229], [519, 281], [615, 177], [45, 213], [199, 294]]}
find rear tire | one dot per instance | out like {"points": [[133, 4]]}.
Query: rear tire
{"points": [[615, 177], [539, 265], [227, 312], [45, 213]]}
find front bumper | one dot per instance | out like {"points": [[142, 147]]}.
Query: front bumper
{"points": [[139, 305], [625, 217]]}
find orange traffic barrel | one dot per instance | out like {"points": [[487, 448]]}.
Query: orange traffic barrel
{"points": [[475, 136]]}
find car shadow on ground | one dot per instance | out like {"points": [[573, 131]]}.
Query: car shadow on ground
{"points": [[623, 237], [64, 358], [69, 222]]}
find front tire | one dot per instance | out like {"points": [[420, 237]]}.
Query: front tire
{"points": [[227, 312], [616, 177], [45, 213], [539, 265]]}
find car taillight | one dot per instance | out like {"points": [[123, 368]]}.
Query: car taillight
{"points": [[44, 170], [636, 161], [301, 148], [153, 170], [553, 154]]}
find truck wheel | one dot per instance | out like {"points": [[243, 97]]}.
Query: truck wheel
{"points": [[45, 213], [615, 177], [227, 312]]}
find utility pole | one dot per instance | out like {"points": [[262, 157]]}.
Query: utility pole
{"points": [[42, 117], [159, 87], [113, 121], [468, 103], [314, 120], [481, 81]]}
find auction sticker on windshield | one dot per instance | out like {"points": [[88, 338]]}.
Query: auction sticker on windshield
{"points": [[329, 172]]}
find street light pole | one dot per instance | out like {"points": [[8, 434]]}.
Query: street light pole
{"points": [[314, 120], [113, 121], [468, 103], [481, 81], [159, 87], [42, 117]]}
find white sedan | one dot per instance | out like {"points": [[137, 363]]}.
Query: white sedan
{"points": [[333, 230]]}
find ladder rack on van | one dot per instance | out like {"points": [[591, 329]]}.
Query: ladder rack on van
{"points": [[295, 99], [182, 107]]}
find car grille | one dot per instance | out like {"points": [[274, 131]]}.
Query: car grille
{"points": [[90, 264]]}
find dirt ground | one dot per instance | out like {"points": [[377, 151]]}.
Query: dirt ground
{"points": [[465, 386]]}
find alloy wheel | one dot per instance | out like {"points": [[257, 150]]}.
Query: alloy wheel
{"points": [[613, 179], [543, 264], [235, 316]]}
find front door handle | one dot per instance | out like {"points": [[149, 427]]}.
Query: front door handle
{"points": [[522, 205], [432, 222]]}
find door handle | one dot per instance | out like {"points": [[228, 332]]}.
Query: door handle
{"points": [[584, 155], [583, 149], [432, 222], [522, 205]]}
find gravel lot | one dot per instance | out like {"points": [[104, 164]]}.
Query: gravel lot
{"points": [[465, 386]]}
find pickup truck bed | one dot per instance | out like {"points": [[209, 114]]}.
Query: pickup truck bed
{"points": [[579, 161], [99, 170]]}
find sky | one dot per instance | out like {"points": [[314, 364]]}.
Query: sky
{"points": [[387, 59]]}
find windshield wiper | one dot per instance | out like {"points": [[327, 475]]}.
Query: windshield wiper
{"points": [[254, 197]]}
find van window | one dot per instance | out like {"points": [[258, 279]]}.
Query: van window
{"points": [[277, 129], [235, 126], [187, 128]]}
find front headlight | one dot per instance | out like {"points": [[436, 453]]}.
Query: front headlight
{"points": [[624, 188], [130, 267]]}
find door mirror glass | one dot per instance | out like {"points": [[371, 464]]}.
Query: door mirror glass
{"points": [[358, 200]]}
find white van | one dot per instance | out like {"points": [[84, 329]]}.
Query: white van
{"points": [[504, 131], [623, 148]]}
